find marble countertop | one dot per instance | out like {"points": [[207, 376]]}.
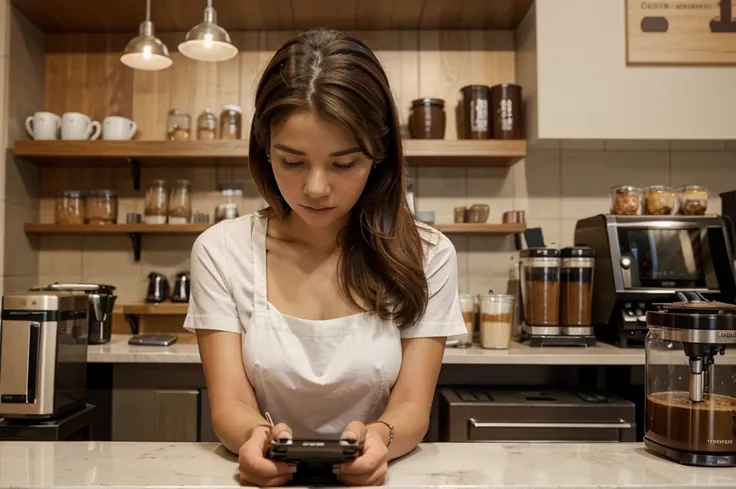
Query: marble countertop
{"points": [[134, 465], [118, 351]]}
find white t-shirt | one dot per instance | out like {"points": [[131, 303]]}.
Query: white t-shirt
{"points": [[221, 295]]}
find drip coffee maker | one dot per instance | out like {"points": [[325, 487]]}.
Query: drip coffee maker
{"points": [[690, 409]]}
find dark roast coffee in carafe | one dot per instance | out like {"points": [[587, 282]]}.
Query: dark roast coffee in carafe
{"points": [[672, 419]]}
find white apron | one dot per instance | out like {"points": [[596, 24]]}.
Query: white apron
{"points": [[316, 375]]}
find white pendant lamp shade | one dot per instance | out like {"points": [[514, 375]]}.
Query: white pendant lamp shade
{"points": [[146, 51], [207, 41]]}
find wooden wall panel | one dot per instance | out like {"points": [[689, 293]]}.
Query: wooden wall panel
{"points": [[84, 73]]}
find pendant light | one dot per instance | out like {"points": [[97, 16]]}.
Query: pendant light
{"points": [[207, 41], [146, 51]]}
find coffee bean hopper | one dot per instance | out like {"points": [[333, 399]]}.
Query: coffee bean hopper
{"points": [[690, 409]]}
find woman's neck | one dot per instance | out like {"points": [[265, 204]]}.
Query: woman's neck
{"points": [[320, 239]]}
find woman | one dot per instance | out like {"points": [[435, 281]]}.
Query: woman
{"points": [[329, 310]]}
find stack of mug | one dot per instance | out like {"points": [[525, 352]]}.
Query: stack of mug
{"points": [[74, 126]]}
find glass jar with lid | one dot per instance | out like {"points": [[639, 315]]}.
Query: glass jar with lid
{"points": [[625, 200], [427, 118], [101, 207], [178, 125], [232, 195], [692, 200], [180, 203], [156, 205], [231, 122], [207, 126], [69, 208], [659, 200]]}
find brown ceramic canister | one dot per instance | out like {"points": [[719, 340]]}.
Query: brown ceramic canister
{"points": [[476, 117], [506, 110], [427, 119]]}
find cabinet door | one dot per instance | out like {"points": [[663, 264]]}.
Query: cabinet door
{"points": [[155, 415]]}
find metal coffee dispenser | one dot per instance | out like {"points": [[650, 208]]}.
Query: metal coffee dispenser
{"points": [[101, 300], [645, 260], [690, 411], [43, 354]]}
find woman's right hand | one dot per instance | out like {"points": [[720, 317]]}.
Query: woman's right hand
{"points": [[258, 470]]}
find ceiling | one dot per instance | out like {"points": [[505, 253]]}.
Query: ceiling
{"points": [[180, 15]]}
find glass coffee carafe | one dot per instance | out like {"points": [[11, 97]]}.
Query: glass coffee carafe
{"points": [[690, 409]]}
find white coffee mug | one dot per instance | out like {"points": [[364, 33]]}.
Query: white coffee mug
{"points": [[116, 128], [78, 126], [43, 126]]}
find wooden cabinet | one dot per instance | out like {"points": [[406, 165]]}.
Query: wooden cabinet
{"points": [[155, 415]]}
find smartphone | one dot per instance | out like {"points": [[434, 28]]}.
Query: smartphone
{"points": [[314, 458]]}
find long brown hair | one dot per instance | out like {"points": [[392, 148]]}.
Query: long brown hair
{"points": [[339, 77]]}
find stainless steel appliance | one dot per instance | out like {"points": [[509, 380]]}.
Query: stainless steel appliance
{"points": [[690, 410], [101, 303], [527, 415], [158, 288], [43, 354], [181, 288], [643, 260]]}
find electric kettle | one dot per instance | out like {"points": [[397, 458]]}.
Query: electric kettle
{"points": [[158, 288], [181, 288]]}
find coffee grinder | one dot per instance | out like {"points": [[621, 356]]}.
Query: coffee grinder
{"points": [[690, 412]]}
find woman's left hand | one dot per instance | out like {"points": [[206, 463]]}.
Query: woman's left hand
{"points": [[371, 466]]}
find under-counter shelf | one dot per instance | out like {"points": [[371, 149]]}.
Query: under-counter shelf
{"points": [[133, 312]]}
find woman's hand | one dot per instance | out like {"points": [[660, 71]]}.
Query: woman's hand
{"points": [[258, 470], [371, 466]]}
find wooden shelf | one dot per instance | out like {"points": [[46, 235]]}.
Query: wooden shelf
{"points": [[161, 309], [88, 229], [472, 228], [84, 153], [174, 229], [419, 152], [238, 15]]}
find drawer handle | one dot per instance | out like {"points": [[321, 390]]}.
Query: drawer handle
{"points": [[480, 424]]}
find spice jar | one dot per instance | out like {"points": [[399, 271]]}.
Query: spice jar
{"points": [[540, 285], [692, 200], [101, 207], [207, 126], [178, 124], [625, 200], [427, 118], [467, 306], [180, 203], [231, 122], [576, 286], [156, 205], [232, 193], [69, 208], [496, 317], [659, 200]]}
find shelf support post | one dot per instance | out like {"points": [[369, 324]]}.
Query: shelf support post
{"points": [[135, 239], [133, 322], [135, 172]]}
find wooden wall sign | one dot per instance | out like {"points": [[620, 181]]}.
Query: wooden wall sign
{"points": [[681, 32]]}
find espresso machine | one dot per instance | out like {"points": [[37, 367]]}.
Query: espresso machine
{"points": [[645, 260], [43, 354], [690, 411]]}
